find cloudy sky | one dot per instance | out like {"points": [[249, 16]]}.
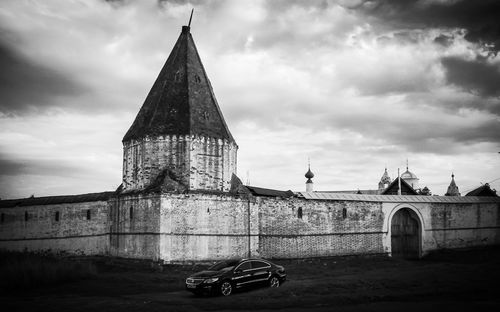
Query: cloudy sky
{"points": [[353, 85]]}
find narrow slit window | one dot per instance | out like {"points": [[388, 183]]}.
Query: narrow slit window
{"points": [[3, 217], [344, 213], [299, 213], [88, 214], [57, 216], [131, 212], [25, 216]]}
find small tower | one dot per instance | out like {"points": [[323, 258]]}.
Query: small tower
{"points": [[384, 181], [309, 183], [453, 188]]}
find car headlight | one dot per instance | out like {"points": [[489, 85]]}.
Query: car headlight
{"points": [[211, 280]]}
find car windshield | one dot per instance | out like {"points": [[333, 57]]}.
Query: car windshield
{"points": [[223, 265]]}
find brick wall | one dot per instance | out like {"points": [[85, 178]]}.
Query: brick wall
{"points": [[298, 228], [197, 162], [59, 227]]}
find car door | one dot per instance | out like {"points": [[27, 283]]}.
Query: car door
{"points": [[242, 274], [260, 271]]}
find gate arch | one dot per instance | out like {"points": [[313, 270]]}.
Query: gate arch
{"points": [[406, 233]]}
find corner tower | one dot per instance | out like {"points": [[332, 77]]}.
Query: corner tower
{"points": [[179, 140]]}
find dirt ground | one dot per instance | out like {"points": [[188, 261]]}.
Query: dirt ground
{"points": [[463, 280]]}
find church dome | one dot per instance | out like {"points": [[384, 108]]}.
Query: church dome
{"points": [[408, 175], [309, 174]]}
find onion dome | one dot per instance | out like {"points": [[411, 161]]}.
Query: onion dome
{"points": [[309, 175]]}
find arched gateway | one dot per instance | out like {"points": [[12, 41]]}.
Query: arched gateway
{"points": [[405, 234]]}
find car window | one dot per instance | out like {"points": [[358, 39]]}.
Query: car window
{"points": [[244, 266], [259, 264], [223, 265]]}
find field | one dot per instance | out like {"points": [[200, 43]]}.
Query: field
{"points": [[463, 280]]}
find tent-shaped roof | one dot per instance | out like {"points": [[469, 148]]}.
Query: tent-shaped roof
{"points": [[406, 188], [181, 101]]}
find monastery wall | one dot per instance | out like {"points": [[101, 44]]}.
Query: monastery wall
{"points": [[135, 226], [78, 228], [463, 225], [207, 227], [196, 226], [299, 228]]}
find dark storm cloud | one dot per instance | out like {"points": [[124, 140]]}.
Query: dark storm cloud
{"points": [[10, 166], [26, 86], [480, 19], [475, 76]]}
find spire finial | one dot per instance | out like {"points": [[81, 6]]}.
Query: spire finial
{"points": [[190, 17], [406, 164]]}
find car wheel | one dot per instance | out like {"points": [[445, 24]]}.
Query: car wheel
{"points": [[274, 282], [226, 288]]}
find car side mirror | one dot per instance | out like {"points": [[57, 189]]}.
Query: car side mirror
{"points": [[238, 271]]}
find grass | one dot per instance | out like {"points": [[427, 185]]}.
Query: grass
{"points": [[24, 270]]}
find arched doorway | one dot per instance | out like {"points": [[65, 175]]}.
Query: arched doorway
{"points": [[405, 234]]}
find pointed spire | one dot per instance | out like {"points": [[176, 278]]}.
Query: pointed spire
{"points": [[399, 183], [190, 18], [181, 101], [452, 188]]}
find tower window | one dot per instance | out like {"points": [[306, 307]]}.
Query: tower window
{"points": [[197, 78], [344, 213], [299, 213], [88, 214], [3, 217], [57, 216], [178, 76], [25, 216], [131, 212]]}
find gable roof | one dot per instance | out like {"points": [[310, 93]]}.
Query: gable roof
{"points": [[483, 190], [181, 100], [406, 188]]}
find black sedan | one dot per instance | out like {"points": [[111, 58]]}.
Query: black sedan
{"points": [[225, 276]]}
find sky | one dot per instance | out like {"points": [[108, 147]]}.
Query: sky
{"points": [[355, 86]]}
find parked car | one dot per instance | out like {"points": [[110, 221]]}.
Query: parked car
{"points": [[226, 276]]}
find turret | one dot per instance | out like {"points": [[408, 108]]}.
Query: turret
{"points": [[179, 140], [385, 180], [452, 188]]}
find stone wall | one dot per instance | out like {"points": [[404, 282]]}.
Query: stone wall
{"points": [[79, 228], [463, 225], [135, 226], [198, 163], [201, 226], [449, 225]]}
